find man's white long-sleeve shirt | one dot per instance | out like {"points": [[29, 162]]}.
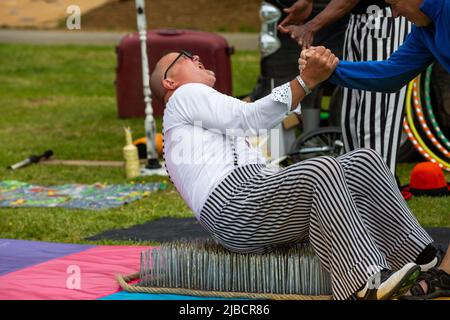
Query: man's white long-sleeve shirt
{"points": [[206, 136]]}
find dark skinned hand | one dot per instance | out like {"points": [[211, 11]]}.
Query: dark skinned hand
{"points": [[297, 14]]}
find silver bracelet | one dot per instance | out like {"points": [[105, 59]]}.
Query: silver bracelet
{"points": [[303, 84]]}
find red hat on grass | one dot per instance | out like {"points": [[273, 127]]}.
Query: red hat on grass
{"points": [[427, 179]]}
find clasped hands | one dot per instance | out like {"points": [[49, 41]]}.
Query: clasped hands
{"points": [[316, 64]]}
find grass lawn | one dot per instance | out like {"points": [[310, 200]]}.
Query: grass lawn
{"points": [[62, 98]]}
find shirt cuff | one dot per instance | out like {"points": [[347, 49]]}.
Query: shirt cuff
{"points": [[283, 94]]}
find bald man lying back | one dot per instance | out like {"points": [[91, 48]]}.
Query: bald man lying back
{"points": [[249, 207]]}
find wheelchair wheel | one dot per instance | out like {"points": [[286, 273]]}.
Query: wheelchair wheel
{"points": [[325, 141]]}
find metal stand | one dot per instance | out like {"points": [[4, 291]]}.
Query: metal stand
{"points": [[153, 166]]}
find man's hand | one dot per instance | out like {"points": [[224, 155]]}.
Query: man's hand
{"points": [[302, 61], [297, 14], [316, 65], [303, 34]]}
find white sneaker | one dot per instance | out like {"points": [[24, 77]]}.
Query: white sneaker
{"points": [[435, 262], [428, 266], [392, 283]]}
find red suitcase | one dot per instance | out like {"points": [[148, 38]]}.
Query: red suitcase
{"points": [[212, 49]]}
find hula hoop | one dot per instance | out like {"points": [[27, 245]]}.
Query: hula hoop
{"points": [[421, 117], [417, 145], [413, 135], [429, 109]]}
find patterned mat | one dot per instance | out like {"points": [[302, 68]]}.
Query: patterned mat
{"points": [[96, 196]]}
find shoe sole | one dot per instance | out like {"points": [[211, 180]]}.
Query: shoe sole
{"points": [[408, 280], [434, 295]]}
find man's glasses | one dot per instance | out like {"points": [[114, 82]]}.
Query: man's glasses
{"points": [[182, 53]]}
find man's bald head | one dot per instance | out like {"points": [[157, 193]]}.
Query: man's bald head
{"points": [[185, 70], [156, 79]]}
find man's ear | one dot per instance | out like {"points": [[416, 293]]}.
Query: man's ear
{"points": [[169, 84]]}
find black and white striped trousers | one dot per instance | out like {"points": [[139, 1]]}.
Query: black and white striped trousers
{"points": [[349, 208], [372, 119]]}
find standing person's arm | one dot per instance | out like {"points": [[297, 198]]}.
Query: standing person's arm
{"points": [[304, 34], [389, 75], [298, 13]]}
